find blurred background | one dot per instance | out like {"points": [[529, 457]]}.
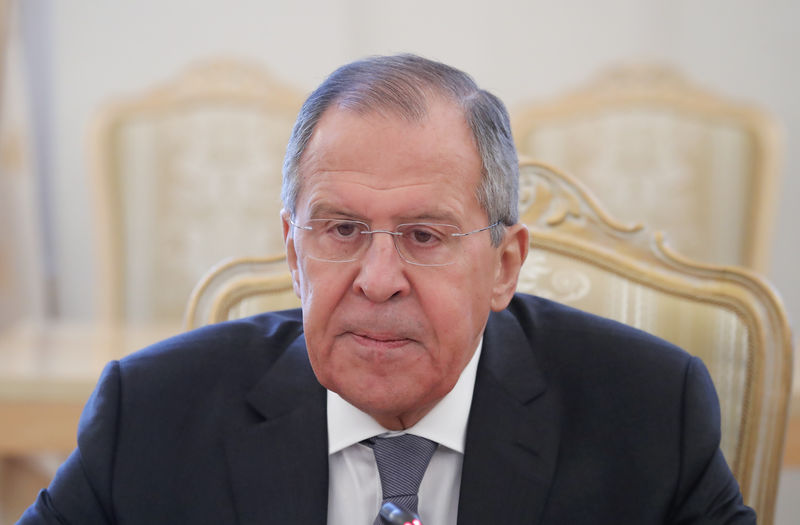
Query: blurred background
{"points": [[72, 71]]}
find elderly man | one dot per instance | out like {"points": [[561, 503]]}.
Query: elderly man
{"points": [[414, 377]]}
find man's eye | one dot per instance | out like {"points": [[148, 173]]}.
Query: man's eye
{"points": [[424, 236], [346, 229]]}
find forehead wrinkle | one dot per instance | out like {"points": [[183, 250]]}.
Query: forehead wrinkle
{"points": [[326, 208], [372, 181]]}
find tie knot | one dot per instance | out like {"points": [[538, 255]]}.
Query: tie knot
{"points": [[402, 461]]}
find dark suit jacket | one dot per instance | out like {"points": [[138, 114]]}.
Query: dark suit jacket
{"points": [[574, 420]]}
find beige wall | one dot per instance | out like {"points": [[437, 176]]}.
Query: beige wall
{"points": [[519, 49]]}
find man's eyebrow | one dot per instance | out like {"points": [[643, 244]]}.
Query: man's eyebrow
{"points": [[326, 209], [329, 210], [434, 217]]}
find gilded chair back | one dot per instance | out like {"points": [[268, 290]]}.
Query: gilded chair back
{"points": [[184, 175], [655, 148], [583, 257], [238, 287]]}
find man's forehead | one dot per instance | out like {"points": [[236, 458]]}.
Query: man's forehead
{"points": [[421, 197], [375, 155], [342, 130]]}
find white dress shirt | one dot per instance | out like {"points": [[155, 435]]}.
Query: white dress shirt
{"points": [[354, 488]]}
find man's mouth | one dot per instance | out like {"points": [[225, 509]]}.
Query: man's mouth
{"points": [[380, 340]]}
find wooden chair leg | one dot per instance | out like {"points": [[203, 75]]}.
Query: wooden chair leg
{"points": [[21, 479]]}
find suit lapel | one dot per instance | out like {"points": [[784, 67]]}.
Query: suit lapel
{"points": [[512, 434], [279, 463]]}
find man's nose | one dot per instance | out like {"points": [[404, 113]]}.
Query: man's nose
{"points": [[382, 272]]}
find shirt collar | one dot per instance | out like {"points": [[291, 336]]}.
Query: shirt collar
{"points": [[446, 423]]}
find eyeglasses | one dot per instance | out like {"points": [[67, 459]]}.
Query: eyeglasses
{"points": [[341, 240]]}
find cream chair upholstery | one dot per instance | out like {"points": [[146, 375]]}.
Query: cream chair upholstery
{"points": [[653, 147], [184, 175], [582, 257]]}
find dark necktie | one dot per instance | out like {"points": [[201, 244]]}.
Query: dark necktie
{"points": [[402, 461]]}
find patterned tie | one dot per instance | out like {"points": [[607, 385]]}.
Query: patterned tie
{"points": [[402, 461]]}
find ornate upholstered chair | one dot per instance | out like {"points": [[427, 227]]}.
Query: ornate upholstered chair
{"points": [[727, 316], [583, 257], [184, 175], [655, 148]]}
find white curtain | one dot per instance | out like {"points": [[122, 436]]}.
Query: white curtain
{"points": [[21, 274]]}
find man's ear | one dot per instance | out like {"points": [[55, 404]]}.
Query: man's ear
{"points": [[291, 254], [512, 253]]}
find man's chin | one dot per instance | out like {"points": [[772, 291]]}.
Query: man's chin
{"points": [[394, 409]]}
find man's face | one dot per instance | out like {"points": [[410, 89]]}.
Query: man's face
{"points": [[388, 336]]}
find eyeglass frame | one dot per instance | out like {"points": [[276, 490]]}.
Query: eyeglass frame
{"points": [[394, 235]]}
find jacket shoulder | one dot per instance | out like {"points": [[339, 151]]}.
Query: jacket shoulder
{"points": [[267, 332], [232, 354]]}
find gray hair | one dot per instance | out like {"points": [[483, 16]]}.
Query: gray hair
{"points": [[402, 84]]}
